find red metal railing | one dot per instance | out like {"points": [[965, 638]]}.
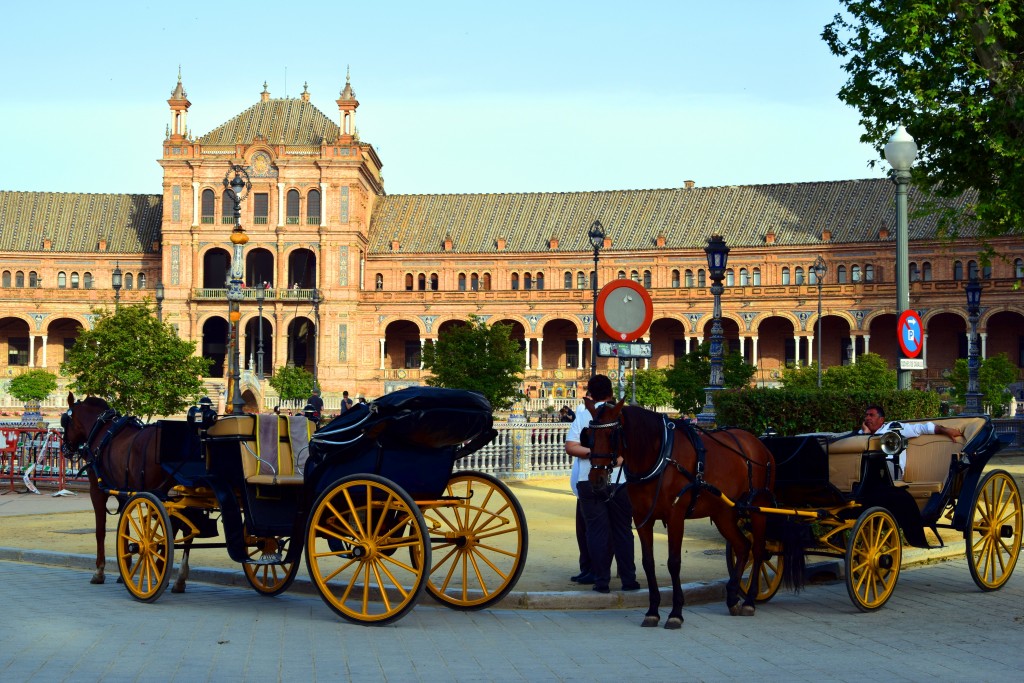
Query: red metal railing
{"points": [[32, 457]]}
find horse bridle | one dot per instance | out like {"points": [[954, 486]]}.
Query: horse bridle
{"points": [[588, 440], [84, 451]]}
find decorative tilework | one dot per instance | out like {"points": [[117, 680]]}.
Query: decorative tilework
{"points": [[748, 317], [694, 318], [343, 266], [175, 203], [342, 342], [534, 319], [428, 322], [343, 206], [803, 317], [586, 320], [39, 318], [175, 264], [91, 318]]}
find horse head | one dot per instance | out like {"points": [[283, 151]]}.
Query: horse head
{"points": [[78, 422], [604, 439]]}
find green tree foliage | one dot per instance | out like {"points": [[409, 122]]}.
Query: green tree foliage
{"points": [[477, 357], [691, 374], [139, 365], [34, 385], [651, 388], [869, 373], [950, 70], [994, 376], [292, 383]]}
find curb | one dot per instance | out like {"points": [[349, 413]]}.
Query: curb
{"points": [[695, 593]]}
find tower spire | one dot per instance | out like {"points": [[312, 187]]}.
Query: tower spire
{"points": [[179, 109], [347, 105]]}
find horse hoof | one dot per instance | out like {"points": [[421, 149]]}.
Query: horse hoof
{"points": [[177, 589], [747, 611], [735, 610], [674, 623], [120, 580], [97, 579], [650, 621]]}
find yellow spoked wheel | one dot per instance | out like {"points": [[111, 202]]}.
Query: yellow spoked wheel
{"points": [[145, 547], [873, 559], [269, 579], [769, 579], [479, 542], [994, 536], [354, 529]]}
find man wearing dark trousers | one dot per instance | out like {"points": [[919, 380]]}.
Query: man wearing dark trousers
{"points": [[608, 515]]}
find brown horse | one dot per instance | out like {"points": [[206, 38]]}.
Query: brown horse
{"points": [[126, 462], [676, 472]]}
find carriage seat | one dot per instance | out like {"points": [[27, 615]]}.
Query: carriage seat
{"points": [[282, 445]]}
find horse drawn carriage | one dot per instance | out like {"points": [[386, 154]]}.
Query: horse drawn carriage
{"points": [[372, 499], [817, 494]]}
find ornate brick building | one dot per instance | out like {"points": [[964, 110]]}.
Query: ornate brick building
{"points": [[393, 271]]}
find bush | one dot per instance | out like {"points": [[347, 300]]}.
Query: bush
{"points": [[796, 411]]}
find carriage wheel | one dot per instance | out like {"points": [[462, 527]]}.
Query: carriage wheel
{"points": [[145, 547], [269, 579], [479, 543], [353, 532], [770, 577], [873, 559], [994, 536]]}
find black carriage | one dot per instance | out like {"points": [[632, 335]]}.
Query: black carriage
{"points": [[842, 491], [372, 498]]}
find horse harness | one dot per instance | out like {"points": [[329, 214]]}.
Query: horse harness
{"points": [[85, 452]]}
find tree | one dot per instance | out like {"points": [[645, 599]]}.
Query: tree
{"points": [[292, 383], [139, 365], [869, 374], [651, 388], [994, 377], [691, 373], [950, 71], [34, 385], [477, 357]]}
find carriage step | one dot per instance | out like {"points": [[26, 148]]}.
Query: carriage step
{"points": [[266, 559]]}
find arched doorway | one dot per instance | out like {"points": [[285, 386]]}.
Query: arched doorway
{"points": [[259, 267], [216, 268], [61, 335], [302, 269], [253, 345], [215, 344], [402, 346], [301, 343]]}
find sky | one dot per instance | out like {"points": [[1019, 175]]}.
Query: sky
{"points": [[456, 97]]}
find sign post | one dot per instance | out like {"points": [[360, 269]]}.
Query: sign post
{"points": [[910, 335], [625, 311]]}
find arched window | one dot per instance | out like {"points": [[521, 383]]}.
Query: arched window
{"points": [[744, 277], [408, 282], [688, 278], [140, 281], [593, 279], [19, 279], [474, 282], [701, 281], [291, 207], [462, 282], [487, 282], [206, 206], [812, 277], [986, 272], [841, 275], [869, 273], [1018, 268], [227, 209], [675, 278], [433, 282], [87, 280], [62, 280], [527, 281], [785, 275], [515, 280], [757, 277], [621, 275], [539, 281], [915, 274], [926, 271], [730, 278], [958, 270], [568, 279], [127, 281], [421, 281], [33, 279], [634, 276], [6, 281], [647, 279], [854, 273], [581, 280], [313, 207], [798, 275], [972, 270], [378, 281]]}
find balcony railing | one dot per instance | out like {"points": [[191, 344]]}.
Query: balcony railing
{"points": [[249, 294]]}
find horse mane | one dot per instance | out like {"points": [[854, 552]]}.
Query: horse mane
{"points": [[95, 402]]}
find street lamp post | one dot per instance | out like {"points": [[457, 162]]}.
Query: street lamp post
{"points": [[718, 255], [316, 337], [900, 152], [973, 399], [115, 282], [237, 189], [261, 295], [160, 301], [819, 273], [596, 236]]}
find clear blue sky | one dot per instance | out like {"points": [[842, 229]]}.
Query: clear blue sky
{"points": [[456, 96]]}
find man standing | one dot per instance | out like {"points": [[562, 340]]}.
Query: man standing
{"points": [[874, 423], [315, 404], [346, 402], [608, 516]]}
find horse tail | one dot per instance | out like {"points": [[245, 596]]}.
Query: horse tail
{"points": [[796, 538]]}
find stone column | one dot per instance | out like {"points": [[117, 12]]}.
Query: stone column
{"points": [[753, 351], [867, 343], [579, 353], [31, 350], [810, 348], [982, 335], [44, 350], [540, 353], [382, 353], [527, 340], [796, 351]]}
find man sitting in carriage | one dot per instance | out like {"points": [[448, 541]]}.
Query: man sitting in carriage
{"points": [[874, 423]]}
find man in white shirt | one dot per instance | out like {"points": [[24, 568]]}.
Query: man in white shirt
{"points": [[609, 515], [874, 423]]}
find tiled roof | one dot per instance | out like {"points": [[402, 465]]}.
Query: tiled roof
{"points": [[291, 121], [130, 223], [853, 210]]}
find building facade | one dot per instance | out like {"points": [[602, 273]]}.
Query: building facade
{"points": [[344, 277]]}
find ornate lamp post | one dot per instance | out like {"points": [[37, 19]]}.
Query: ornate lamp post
{"points": [[718, 255], [237, 189], [115, 282], [819, 273], [596, 234], [261, 295], [316, 337], [160, 301], [973, 399], [900, 152]]}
